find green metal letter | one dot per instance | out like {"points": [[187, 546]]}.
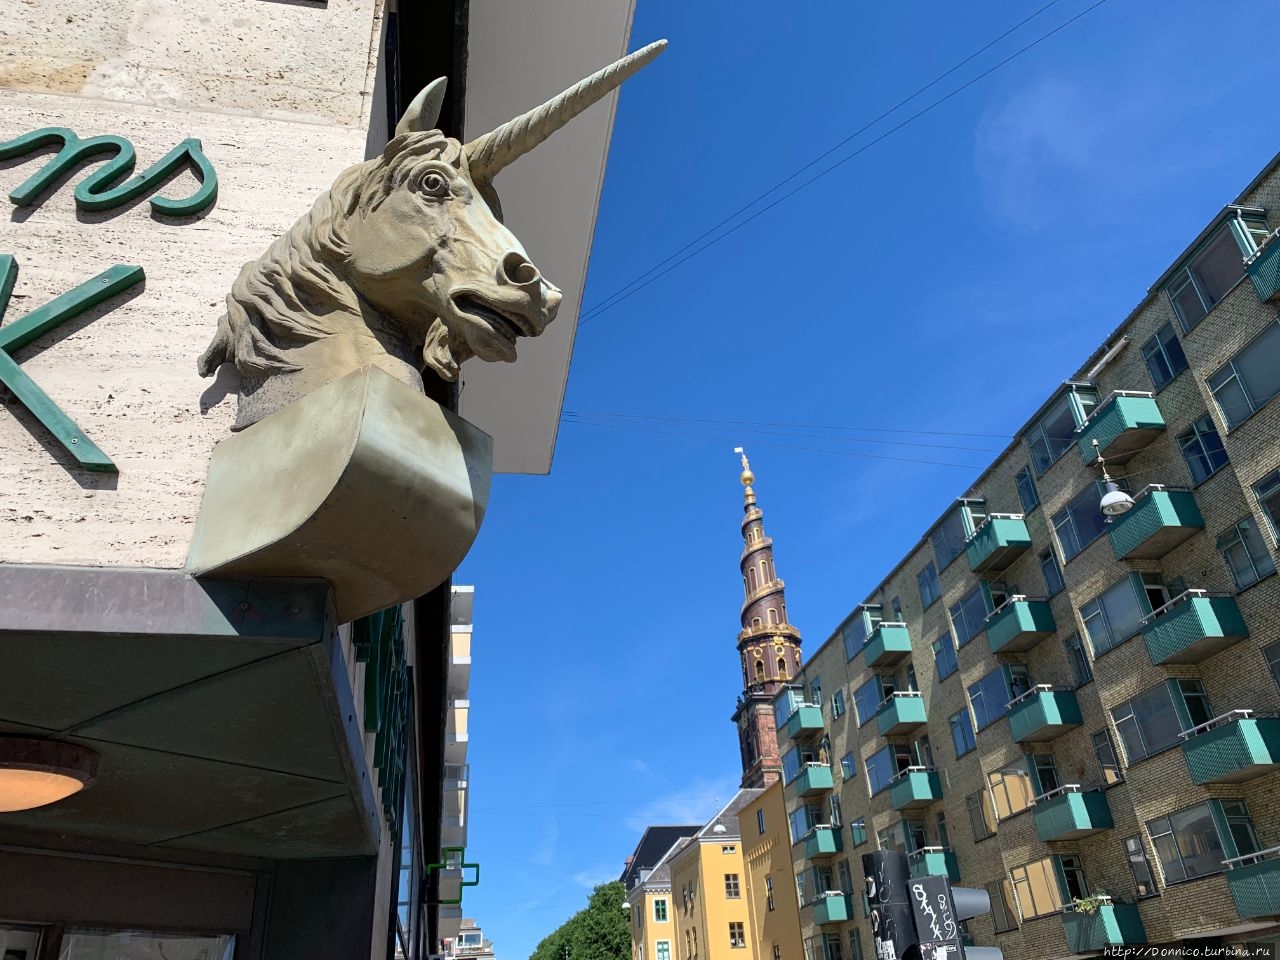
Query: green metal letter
{"points": [[40, 320], [101, 189]]}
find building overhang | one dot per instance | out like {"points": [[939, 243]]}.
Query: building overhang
{"points": [[221, 712], [550, 198]]}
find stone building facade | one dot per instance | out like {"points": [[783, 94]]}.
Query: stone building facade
{"points": [[1079, 713]]}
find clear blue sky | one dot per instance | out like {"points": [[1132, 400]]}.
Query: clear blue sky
{"points": [[1021, 221]]}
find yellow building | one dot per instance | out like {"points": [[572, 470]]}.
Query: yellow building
{"points": [[708, 889], [773, 908], [652, 924]]}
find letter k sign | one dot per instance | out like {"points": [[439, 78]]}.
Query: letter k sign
{"points": [[41, 320]]}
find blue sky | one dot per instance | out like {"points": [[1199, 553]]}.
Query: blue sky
{"points": [[1025, 217]]}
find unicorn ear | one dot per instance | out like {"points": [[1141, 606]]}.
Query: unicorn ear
{"points": [[424, 112]]}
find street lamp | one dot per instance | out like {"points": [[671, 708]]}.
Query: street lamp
{"points": [[1114, 501]]}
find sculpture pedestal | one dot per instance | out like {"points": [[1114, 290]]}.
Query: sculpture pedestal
{"points": [[365, 483]]}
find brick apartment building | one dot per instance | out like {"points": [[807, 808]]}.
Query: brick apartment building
{"points": [[1057, 708]]}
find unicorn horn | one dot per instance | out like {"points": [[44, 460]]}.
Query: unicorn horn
{"points": [[488, 154]]}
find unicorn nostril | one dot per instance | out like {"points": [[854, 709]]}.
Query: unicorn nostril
{"points": [[518, 270]]}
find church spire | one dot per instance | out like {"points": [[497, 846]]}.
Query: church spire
{"points": [[768, 645]]}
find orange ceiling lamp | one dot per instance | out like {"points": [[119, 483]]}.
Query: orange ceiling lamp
{"points": [[35, 773]]}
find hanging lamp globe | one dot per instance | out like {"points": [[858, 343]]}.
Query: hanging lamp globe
{"points": [[35, 773], [1115, 501]]}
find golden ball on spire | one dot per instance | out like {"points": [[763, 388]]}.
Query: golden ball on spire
{"points": [[748, 478]]}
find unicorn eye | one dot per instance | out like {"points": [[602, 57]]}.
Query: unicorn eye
{"points": [[435, 185]]}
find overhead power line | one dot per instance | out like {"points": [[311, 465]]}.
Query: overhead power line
{"points": [[655, 274], [826, 153], [754, 431], [777, 423], [769, 443]]}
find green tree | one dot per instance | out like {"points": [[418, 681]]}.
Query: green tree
{"points": [[599, 931]]}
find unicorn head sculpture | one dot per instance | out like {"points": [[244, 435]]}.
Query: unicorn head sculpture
{"points": [[403, 264]]}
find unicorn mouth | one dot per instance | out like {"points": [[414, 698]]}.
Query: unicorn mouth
{"points": [[509, 326]]}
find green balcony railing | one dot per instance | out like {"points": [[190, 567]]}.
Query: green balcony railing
{"points": [[934, 862], [889, 644], [900, 714], [1232, 748], [821, 842], [1264, 271], [915, 787], [815, 778], [1043, 713], [1159, 520], [1192, 627], [1069, 813], [1019, 624], [832, 907], [805, 722], [1123, 424], [1254, 881], [1001, 539], [1112, 925]]}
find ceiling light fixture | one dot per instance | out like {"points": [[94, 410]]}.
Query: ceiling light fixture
{"points": [[35, 773]]}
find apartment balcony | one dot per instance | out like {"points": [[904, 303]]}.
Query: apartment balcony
{"points": [[1019, 624], [814, 779], [1192, 627], [1069, 813], [1001, 539], [1254, 881], [915, 787], [888, 645], [822, 842], [934, 862], [1123, 424], [805, 723], [1264, 270], [901, 713], [831, 907], [1159, 521], [1232, 748], [1043, 713], [1113, 925]]}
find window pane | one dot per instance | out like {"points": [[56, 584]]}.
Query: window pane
{"points": [[1197, 841], [1011, 791], [1164, 357], [1219, 265], [1148, 723], [131, 943], [1202, 449], [981, 817], [962, 733], [1136, 854], [1027, 492], [927, 579], [1114, 616], [1107, 761], [949, 537], [1078, 659], [1272, 654], [1036, 886], [19, 942], [1000, 893], [1052, 572], [1187, 302], [866, 700], [969, 616], [944, 655], [1267, 491]]}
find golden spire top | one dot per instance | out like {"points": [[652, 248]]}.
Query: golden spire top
{"points": [[747, 477]]}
